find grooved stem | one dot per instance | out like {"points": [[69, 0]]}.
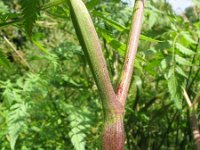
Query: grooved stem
{"points": [[113, 136], [127, 71]]}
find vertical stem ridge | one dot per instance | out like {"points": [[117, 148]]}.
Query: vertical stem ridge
{"points": [[113, 136], [90, 43], [127, 71]]}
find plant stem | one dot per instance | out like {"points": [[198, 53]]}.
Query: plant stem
{"points": [[113, 103], [127, 71], [24, 62], [90, 43], [195, 130], [193, 118], [113, 136]]}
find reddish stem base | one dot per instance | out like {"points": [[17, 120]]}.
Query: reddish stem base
{"points": [[113, 137]]}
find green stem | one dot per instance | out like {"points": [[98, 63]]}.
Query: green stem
{"points": [[113, 135], [127, 71], [92, 48]]}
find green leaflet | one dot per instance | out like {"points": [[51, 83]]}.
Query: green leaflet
{"points": [[30, 13], [146, 38], [92, 4], [173, 88], [15, 18], [110, 22], [3, 60], [16, 98], [16, 122], [52, 4], [184, 50], [77, 137], [188, 37], [122, 28], [17, 114], [152, 19], [180, 71], [3, 8], [114, 43], [77, 120], [182, 61], [40, 46]]}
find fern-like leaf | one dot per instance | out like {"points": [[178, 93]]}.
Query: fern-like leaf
{"points": [[79, 123], [16, 121], [3, 60], [17, 99], [30, 11], [17, 111]]}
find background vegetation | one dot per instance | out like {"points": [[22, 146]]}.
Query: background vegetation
{"points": [[48, 97]]}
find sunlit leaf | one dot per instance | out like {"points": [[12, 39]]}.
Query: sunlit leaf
{"points": [[188, 37], [180, 71], [182, 61], [184, 50], [3, 59]]}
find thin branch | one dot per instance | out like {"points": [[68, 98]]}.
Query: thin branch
{"points": [[187, 98], [17, 53], [196, 99], [126, 74]]}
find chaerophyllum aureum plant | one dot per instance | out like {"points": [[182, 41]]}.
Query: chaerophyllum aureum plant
{"points": [[113, 98]]}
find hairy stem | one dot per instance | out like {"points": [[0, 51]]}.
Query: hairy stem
{"points": [[92, 48], [127, 71], [24, 62], [113, 134]]}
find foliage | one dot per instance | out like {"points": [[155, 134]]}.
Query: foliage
{"points": [[30, 10]]}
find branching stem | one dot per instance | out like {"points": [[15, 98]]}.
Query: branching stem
{"points": [[113, 134]]}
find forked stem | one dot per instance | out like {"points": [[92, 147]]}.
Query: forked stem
{"points": [[113, 133]]}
